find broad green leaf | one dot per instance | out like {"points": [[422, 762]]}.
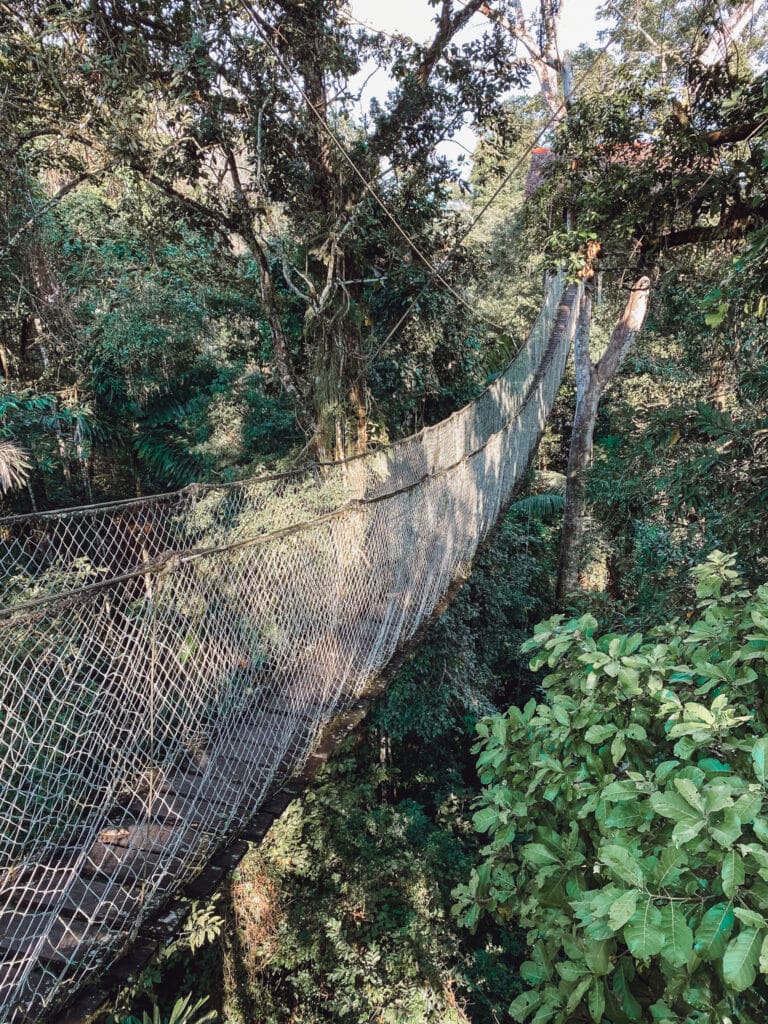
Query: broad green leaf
{"points": [[534, 973], [617, 792], [741, 959], [484, 819], [597, 956], [728, 829], [685, 831], [670, 863], [599, 733], [596, 1001], [750, 918], [643, 933], [748, 807], [622, 863], [618, 747], [661, 1013], [569, 971], [620, 983], [690, 794], [760, 758], [713, 931], [577, 995], [664, 770], [622, 909], [672, 805], [626, 815], [537, 853], [717, 798], [764, 956], [678, 937], [732, 872], [699, 713], [524, 1005]]}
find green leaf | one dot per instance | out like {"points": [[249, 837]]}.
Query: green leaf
{"points": [[599, 733], [712, 933], [643, 932], [569, 971], [678, 937], [617, 792], [685, 831], [534, 973], [626, 815], [596, 1001], [524, 1005], [748, 806], [741, 959], [674, 806], [727, 831], [732, 872], [690, 794], [622, 864], [577, 995], [484, 819], [623, 908], [764, 956], [622, 976], [597, 956], [750, 918], [760, 758], [537, 853], [618, 747]]}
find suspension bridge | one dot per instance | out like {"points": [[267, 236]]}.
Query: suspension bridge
{"points": [[166, 660]]}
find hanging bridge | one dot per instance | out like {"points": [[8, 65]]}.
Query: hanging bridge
{"points": [[165, 660]]}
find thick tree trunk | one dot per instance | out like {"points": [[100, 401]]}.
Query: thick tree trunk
{"points": [[574, 515], [591, 381], [580, 454]]}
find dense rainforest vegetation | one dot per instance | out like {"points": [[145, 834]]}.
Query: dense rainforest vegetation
{"points": [[220, 258]]}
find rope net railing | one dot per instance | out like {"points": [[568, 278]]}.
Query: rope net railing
{"points": [[54, 552], [166, 661]]}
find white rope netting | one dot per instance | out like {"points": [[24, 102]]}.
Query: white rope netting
{"points": [[164, 661]]}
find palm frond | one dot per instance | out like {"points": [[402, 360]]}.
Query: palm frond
{"points": [[15, 465], [547, 481]]}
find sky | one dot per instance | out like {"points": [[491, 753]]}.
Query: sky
{"points": [[415, 18]]}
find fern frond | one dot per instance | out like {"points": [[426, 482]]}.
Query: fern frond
{"points": [[540, 506]]}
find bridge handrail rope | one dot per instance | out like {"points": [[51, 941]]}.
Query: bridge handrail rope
{"points": [[51, 553], [144, 714]]}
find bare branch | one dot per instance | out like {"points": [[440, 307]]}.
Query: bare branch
{"points": [[727, 33], [47, 207]]}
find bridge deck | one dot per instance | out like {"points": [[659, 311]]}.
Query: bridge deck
{"points": [[151, 712]]}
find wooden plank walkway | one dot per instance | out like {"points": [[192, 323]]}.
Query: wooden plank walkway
{"points": [[66, 917]]}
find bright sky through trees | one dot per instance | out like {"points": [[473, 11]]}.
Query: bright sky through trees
{"points": [[415, 18]]}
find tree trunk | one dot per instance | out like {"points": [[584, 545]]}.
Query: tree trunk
{"points": [[579, 455], [574, 515], [591, 381]]}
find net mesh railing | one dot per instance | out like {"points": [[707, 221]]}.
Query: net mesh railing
{"points": [[166, 661]]}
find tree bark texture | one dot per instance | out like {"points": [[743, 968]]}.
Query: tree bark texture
{"points": [[591, 380]]}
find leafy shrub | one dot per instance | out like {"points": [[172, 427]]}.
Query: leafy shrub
{"points": [[627, 817]]}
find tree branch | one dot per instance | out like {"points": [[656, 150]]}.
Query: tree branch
{"points": [[726, 33], [47, 207]]}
